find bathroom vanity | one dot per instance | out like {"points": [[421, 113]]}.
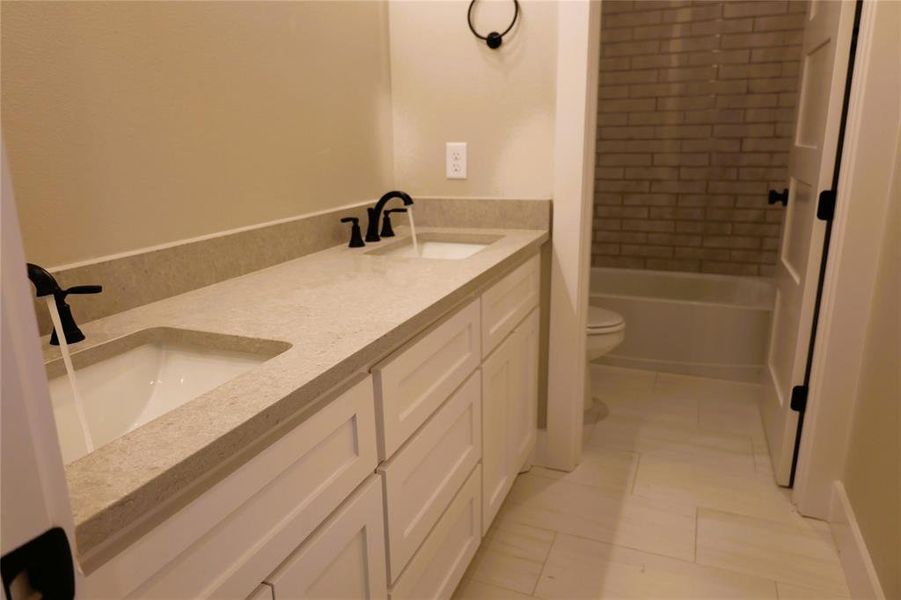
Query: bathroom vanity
{"points": [[367, 459]]}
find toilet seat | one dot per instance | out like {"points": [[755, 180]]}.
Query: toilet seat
{"points": [[601, 320]]}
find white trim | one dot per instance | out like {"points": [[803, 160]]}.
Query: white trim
{"points": [[207, 236], [33, 488], [578, 53], [869, 163], [863, 582]]}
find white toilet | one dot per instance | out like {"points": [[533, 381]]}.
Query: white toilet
{"points": [[606, 330]]}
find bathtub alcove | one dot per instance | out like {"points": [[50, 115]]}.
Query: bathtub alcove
{"points": [[689, 323]]}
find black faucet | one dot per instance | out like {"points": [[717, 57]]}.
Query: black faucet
{"points": [[375, 213], [45, 285]]}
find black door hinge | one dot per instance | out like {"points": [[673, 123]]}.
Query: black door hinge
{"points": [[799, 398], [826, 205]]}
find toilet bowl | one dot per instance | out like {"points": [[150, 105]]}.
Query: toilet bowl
{"points": [[605, 331]]}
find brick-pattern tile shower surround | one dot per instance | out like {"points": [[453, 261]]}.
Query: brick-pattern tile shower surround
{"points": [[696, 112]]}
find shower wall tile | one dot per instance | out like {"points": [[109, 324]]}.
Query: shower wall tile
{"points": [[695, 117]]}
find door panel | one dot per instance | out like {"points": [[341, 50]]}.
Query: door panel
{"points": [[499, 383], [524, 408], [826, 47], [344, 558], [34, 497]]}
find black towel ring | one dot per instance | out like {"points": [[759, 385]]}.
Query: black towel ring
{"points": [[493, 39]]}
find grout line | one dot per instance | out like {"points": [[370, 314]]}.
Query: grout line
{"points": [[697, 518], [544, 565], [635, 474]]}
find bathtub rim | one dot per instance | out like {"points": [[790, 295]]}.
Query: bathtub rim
{"points": [[767, 305]]}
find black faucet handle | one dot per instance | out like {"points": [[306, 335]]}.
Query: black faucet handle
{"points": [[84, 289], [356, 236], [387, 228]]}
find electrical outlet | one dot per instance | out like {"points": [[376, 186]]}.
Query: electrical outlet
{"points": [[456, 160]]}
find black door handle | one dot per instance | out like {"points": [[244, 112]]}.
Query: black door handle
{"points": [[780, 197]]}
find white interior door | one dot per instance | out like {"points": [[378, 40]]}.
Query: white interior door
{"points": [[33, 490], [827, 39]]}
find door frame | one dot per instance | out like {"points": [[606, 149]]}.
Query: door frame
{"points": [[869, 163], [35, 495], [578, 56]]}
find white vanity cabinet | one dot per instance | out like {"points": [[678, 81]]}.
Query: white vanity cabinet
{"points": [[423, 477], [344, 558], [225, 542], [508, 301], [509, 382], [442, 559], [412, 383], [388, 486], [509, 406]]}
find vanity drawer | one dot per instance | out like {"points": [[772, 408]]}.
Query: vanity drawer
{"points": [[438, 566], [509, 300], [224, 543], [344, 558], [412, 383], [422, 478]]}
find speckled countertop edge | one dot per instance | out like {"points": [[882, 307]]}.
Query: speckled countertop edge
{"points": [[341, 310]]}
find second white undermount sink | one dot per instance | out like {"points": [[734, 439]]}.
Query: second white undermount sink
{"points": [[144, 379], [444, 246]]}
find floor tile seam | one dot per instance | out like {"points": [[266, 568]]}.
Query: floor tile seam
{"points": [[543, 565], [697, 512], [609, 496], [635, 474], [701, 505], [770, 521], [496, 584], [625, 485], [683, 561], [778, 580]]}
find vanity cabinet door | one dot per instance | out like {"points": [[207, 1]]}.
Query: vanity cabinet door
{"points": [[509, 413], [344, 558], [499, 387], [439, 564], [524, 407]]}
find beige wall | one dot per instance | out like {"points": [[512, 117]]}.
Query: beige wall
{"points": [[135, 124], [449, 87], [872, 476]]}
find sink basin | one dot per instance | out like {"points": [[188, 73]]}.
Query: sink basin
{"points": [[130, 381], [438, 246]]}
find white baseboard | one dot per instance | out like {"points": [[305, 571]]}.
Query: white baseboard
{"points": [[855, 558]]}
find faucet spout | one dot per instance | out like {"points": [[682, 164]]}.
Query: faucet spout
{"points": [[375, 213], [46, 285]]}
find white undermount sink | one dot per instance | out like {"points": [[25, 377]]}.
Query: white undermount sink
{"points": [[445, 246], [135, 379]]}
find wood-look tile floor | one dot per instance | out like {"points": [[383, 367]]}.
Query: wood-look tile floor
{"points": [[674, 498]]}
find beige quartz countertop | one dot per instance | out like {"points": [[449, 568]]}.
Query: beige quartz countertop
{"points": [[340, 309]]}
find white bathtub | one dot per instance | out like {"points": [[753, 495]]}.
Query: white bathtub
{"points": [[690, 323]]}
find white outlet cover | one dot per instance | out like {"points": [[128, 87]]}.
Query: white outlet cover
{"points": [[455, 159]]}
